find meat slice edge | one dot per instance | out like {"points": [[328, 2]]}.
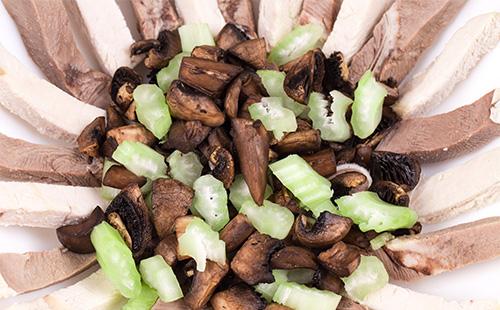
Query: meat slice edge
{"points": [[153, 16]]}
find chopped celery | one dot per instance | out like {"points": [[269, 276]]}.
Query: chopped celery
{"points": [[152, 110], [193, 35], [273, 82], [140, 159], [301, 297], [270, 219], [108, 193], [369, 277], [167, 75], [115, 259], [372, 213], [334, 127], [295, 44], [318, 208], [184, 167], [274, 116], [200, 242], [160, 276], [145, 300], [380, 240], [239, 192], [267, 290], [210, 201], [307, 185], [367, 107]]}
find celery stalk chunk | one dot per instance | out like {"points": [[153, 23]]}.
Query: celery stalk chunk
{"points": [[210, 201], [184, 167], [301, 297], [160, 276], [372, 213], [369, 277], [273, 83], [270, 219], [200, 242], [274, 116], [140, 159], [167, 75], [307, 185], [380, 240], [152, 110], [239, 192], [335, 127], [367, 107], [295, 44], [115, 259], [145, 300], [299, 275], [193, 35]]}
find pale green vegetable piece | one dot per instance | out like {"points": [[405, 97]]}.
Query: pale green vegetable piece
{"points": [[270, 219], [380, 240], [144, 301], [193, 35], [369, 277], [273, 83], [160, 276], [320, 207], [184, 167], [367, 107], [115, 259], [267, 290], [301, 297], [210, 201], [295, 44], [301, 275], [239, 192], [167, 75], [200, 242], [152, 110], [334, 127], [140, 159], [274, 116]]}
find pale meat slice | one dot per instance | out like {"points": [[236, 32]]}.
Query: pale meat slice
{"points": [[154, 16], [201, 11], [22, 273], [405, 31], [321, 12], [277, 18], [460, 55], [354, 26], [45, 205], [47, 164], [48, 109], [238, 12], [45, 30], [447, 135], [471, 185]]}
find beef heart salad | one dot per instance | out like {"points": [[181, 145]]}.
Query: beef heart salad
{"points": [[223, 163]]}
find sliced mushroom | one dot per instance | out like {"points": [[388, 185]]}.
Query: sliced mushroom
{"points": [[116, 221], [113, 118], [236, 232], [391, 193], [284, 198], [326, 280], [291, 257], [232, 34], [328, 229], [135, 132], [349, 304], [398, 168], [357, 238], [170, 45], [120, 177], [222, 165], [341, 259], [346, 155], [237, 297], [218, 137], [350, 179], [143, 46], [274, 306], [208, 52], [130, 113], [337, 74], [167, 248], [363, 155], [414, 230], [231, 100], [76, 237], [301, 141], [323, 162], [125, 80], [305, 75], [92, 137], [188, 104], [252, 262], [185, 136], [204, 284], [252, 52], [243, 111]]}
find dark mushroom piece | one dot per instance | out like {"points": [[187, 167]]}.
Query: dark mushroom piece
{"points": [[125, 80], [327, 230], [398, 168], [304, 140], [143, 46], [232, 34], [243, 111], [185, 136], [325, 280], [76, 237], [221, 163], [252, 52], [170, 45], [350, 179], [414, 230], [291, 257], [204, 284], [208, 52], [92, 137], [237, 297], [357, 238], [167, 248], [341, 259], [346, 155], [236, 232], [135, 132], [179, 304], [337, 74], [363, 155], [219, 137], [274, 306], [323, 162], [349, 304], [113, 118], [120, 177], [284, 198], [232, 98], [391, 192], [130, 113]]}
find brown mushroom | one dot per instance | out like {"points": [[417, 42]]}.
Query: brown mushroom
{"points": [[325, 280], [323, 162], [349, 304], [414, 230], [284, 198], [185, 136], [357, 238], [236, 232], [274, 306], [305, 75], [328, 229], [143, 46], [398, 168], [346, 155], [189, 104], [243, 110], [221, 164], [252, 52], [219, 137], [167, 248], [304, 140], [125, 80], [231, 100], [232, 34], [130, 113], [341, 259], [204, 284], [238, 297], [363, 155], [116, 221], [120, 177], [291, 257], [116, 136], [391, 193], [208, 52], [252, 261], [337, 74], [350, 179], [170, 45], [113, 118], [76, 237], [92, 137]]}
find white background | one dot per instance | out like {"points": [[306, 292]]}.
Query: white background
{"points": [[478, 281]]}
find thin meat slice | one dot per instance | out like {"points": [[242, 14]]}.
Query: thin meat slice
{"points": [[461, 54], [22, 273], [153, 16], [277, 18], [238, 12], [206, 11], [48, 109], [405, 31], [47, 164], [321, 12]]}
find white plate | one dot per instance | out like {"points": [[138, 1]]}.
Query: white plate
{"points": [[479, 281]]}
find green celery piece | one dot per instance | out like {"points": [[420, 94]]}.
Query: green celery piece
{"points": [[267, 290], [380, 240], [239, 192], [210, 201], [145, 300], [273, 83], [184, 167], [140, 159], [108, 193], [301, 297], [193, 35], [160, 276], [200, 242], [295, 44], [372, 213], [167, 75], [270, 219], [307, 185], [152, 110], [320, 207], [115, 259], [367, 107], [335, 127], [274, 116], [369, 277]]}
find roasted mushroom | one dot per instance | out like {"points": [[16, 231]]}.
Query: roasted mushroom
{"points": [[350, 179], [252, 52], [113, 118], [204, 284], [341, 259], [326, 280], [120, 177], [135, 132], [218, 137], [143, 46], [304, 140], [323, 162], [398, 168], [236, 232], [357, 238], [284, 198], [305, 75], [291, 257], [92, 137], [76, 237], [125, 80], [169, 46], [232, 34], [328, 229], [237, 297], [167, 248], [274, 306], [208, 52], [185, 136], [232, 98], [391, 193], [221, 163], [337, 74]]}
